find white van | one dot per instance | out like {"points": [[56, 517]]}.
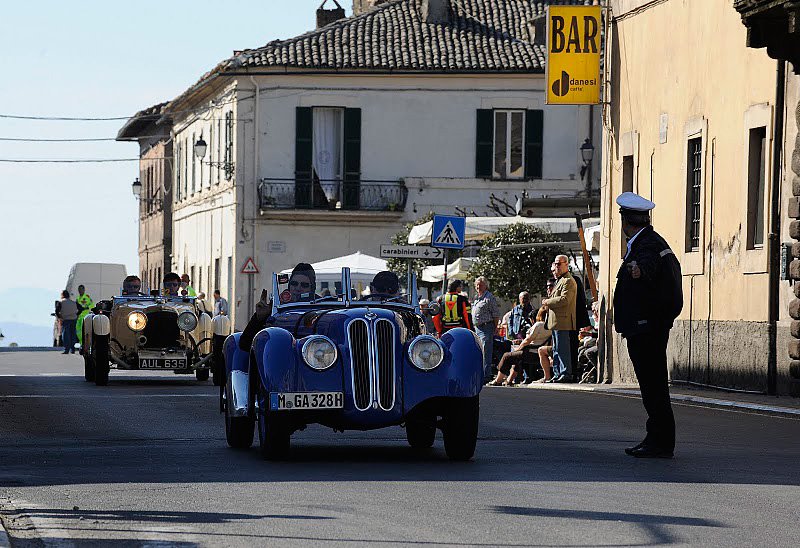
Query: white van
{"points": [[102, 280]]}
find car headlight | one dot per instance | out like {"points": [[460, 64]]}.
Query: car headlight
{"points": [[187, 321], [137, 321], [426, 353], [319, 352]]}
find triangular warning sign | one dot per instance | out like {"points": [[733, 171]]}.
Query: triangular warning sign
{"points": [[448, 235], [249, 267]]}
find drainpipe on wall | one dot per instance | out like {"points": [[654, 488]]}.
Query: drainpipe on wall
{"points": [[775, 230], [256, 204]]}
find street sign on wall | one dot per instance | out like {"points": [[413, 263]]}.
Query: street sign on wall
{"points": [[410, 252], [573, 55]]}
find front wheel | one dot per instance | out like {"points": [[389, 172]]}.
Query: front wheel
{"points": [[239, 431], [420, 435], [273, 434], [100, 355], [460, 428], [201, 374]]}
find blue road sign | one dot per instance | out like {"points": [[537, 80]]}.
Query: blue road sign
{"points": [[448, 231]]}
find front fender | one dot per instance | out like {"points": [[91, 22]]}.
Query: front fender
{"points": [[236, 359], [459, 376], [282, 368]]}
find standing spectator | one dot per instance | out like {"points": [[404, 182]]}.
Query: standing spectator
{"points": [[85, 305], [455, 309], [647, 299], [519, 322], [201, 302], [485, 315], [220, 304], [68, 312], [561, 319], [186, 288], [430, 328]]}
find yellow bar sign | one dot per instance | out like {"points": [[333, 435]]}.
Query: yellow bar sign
{"points": [[573, 55]]}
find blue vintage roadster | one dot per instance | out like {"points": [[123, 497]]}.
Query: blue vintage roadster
{"points": [[351, 362]]}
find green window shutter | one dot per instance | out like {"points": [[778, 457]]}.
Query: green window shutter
{"points": [[484, 138], [534, 137], [303, 151], [352, 159]]}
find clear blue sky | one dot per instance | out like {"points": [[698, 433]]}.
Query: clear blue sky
{"points": [[101, 59]]}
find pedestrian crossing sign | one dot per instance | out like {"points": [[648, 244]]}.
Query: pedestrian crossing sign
{"points": [[448, 231]]}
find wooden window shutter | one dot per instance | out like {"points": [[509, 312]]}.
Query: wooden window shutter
{"points": [[351, 195], [484, 139], [534, 137], [303, 151]]}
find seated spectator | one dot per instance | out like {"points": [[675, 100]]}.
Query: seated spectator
{"points": [[546, 362], [511, 363]]}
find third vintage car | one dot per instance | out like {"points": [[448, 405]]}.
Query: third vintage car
{"points": [[153, 333], [351, 362]]}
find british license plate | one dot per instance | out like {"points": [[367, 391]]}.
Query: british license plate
{"points": [[162, 363], [280, 401]]}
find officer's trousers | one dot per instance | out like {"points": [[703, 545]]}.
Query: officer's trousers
{"points": [[648, 352]]}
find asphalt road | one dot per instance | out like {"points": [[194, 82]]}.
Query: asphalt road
{"points": [[143, 462]]}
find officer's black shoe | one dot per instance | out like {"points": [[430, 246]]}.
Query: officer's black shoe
{"points": [[651, 452], [630, 450]]}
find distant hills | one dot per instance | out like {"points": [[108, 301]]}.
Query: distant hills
{"points": [[25, 316]]}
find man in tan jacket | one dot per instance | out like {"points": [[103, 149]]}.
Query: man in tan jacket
{"points": [[561, 319]]}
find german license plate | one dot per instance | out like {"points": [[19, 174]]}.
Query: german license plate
{"points": [[281, 401], [162, 363]]}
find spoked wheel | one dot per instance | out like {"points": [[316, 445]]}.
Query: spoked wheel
{"points": [[420, 435], [273, 434], [460, 428], [100, 357]]}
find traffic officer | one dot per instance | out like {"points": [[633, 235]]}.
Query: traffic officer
{"points": [[186, 286], [455, 309], [647, 299], [86, 304]]}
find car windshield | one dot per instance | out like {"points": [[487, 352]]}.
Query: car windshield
{"points": [[326, 288]]}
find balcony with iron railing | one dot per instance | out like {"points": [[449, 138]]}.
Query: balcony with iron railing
{"points": [[332, 195]]}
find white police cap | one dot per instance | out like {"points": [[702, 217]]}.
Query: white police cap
{"points": [[631, 201]]}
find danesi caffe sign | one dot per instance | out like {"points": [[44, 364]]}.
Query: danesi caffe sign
{"points": [[573, 55]]}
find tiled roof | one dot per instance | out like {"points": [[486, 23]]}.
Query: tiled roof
{"points": [[481, 35], [144, 118]]}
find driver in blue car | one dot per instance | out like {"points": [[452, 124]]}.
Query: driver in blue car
{"points": [[302, 285]]}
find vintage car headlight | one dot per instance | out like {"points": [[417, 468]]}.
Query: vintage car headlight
{"points": [[187, 321], [426, 353], [137, 321], [319, 352]]}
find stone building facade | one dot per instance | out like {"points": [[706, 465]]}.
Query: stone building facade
{"points": [[700, 130], [151, 129]]}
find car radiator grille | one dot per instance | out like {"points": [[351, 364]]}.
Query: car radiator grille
{"points": [[372, 355], [161, 329]]}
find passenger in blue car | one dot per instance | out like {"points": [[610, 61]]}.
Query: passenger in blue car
{"points": [[385, 284], [302, 283]]}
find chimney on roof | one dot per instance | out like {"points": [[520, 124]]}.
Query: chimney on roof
{"points": [[326, 17], [436, 12]]}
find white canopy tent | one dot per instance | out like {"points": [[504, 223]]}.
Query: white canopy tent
{"points": [[455, 270], [480, 228], [362, 269]]}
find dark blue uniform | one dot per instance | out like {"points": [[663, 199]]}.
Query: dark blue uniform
{"points": [[644, 311]]}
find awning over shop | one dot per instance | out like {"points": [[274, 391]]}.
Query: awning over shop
{"points": [[480, 228], [456, 270]]}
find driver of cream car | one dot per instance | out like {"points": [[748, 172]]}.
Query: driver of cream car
{"points": [[172, 284], [131, 286]]}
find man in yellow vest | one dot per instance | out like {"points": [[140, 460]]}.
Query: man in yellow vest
{"points": [[455, 310], [86, 304], [186, 287]]}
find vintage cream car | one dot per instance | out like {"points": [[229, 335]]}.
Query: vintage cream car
{"points": [[153, 333]]}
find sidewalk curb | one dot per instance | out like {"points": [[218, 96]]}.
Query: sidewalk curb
{"points": [[633, 391]]}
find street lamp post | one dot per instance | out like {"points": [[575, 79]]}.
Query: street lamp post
{"points": [[136, 187], [200, 149]]}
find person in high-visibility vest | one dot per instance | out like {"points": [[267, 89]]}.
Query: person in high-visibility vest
{"points": [[86, 304], [185, 286], [455, 310]]}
